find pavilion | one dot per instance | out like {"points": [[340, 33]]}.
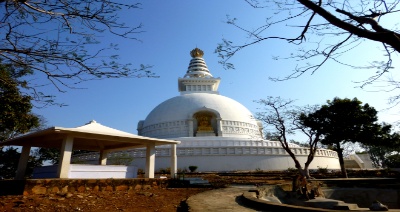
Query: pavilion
{"points": [[92, 137]]}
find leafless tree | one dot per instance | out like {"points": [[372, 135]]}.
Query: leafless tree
{"points": [[58, 40], [323, 31], [284, 118]]}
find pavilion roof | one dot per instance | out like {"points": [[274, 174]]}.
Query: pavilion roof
{"points": [[92, 136]]}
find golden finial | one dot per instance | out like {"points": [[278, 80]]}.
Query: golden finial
{"points": [[196, 52]]}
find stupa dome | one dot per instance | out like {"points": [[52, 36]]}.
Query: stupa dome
{"points": [[200, 110], [216, 133], [184, 106], [178, 110]]}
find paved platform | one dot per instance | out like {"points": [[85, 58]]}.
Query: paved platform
{"points": [[238, 199], [224, 199]]}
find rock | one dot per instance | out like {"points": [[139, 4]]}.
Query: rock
{"points": [[377, 206], [61, 194], [39, 190], [64, 189], [17, 203], [147, 194]]}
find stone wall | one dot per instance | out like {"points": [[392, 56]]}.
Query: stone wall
{"points": [[45, 186]]}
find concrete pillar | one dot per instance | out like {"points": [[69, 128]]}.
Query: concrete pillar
{"points": [[23, 162], [103, 157], [65, 157], [191, 132], [150, 160], [219, 127], [174, 163]]}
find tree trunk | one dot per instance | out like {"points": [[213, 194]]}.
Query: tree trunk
{"points": [[341, 160], [305, 172]]}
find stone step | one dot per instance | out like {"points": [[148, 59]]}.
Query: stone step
{"points": [[197, 181], [331, 204], [346, 206]]}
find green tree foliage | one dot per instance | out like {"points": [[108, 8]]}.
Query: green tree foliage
{"points": [[193, 168], [15, 108], [15, 118], [9, 158], [269, 136], [299, 143], [284, 120], [393, 161], [378, 155], [384, 157], [344, 120], [60, 41], [52, 155], [385, 154]]}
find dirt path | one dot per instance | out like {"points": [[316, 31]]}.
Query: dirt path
{"points": [[224, 199]]}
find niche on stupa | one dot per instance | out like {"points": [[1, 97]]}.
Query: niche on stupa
{"points": [[205, 124]]}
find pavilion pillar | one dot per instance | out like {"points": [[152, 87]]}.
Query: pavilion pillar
{"points": [[23, 162], [150, 160], [103, 157], [65, 157], [173, 161]]}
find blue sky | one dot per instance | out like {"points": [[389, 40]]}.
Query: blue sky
{"points": [[171, 31]]}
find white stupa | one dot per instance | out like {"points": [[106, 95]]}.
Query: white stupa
{"points": [[217, 133]]}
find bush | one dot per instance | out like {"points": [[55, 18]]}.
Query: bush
{"points": [[258, 170], [192, 168], [140, 171], [164, 170], [217, 181], [322, 170], [161, 171], [291, 170], [184, 170]]}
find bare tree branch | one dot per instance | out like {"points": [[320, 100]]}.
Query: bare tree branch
{"points": [[60, 39], [333, 30], [284, 118]]}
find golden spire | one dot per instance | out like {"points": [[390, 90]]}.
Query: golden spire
{"points": [[196, 52]]}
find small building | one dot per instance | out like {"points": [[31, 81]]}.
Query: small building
{"points": [[92, 137]]}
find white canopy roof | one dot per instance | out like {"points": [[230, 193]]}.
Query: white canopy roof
{"points": [[92, 136]]}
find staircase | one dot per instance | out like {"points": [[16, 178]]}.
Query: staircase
{"points": [[351, 164]]}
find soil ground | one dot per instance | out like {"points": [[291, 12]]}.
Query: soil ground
{"points": [[149, 200], [161, 199]]}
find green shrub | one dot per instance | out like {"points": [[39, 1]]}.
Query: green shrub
{"points": [[140, 171], [192, 168], [258, 170], [184, 170], [322, 170]]}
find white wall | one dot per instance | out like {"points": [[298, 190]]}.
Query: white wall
{"points": [[85, 171], [241, 162]]}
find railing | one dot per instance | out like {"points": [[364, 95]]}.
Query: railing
{"points": [[226, 143], [204, 151]]}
